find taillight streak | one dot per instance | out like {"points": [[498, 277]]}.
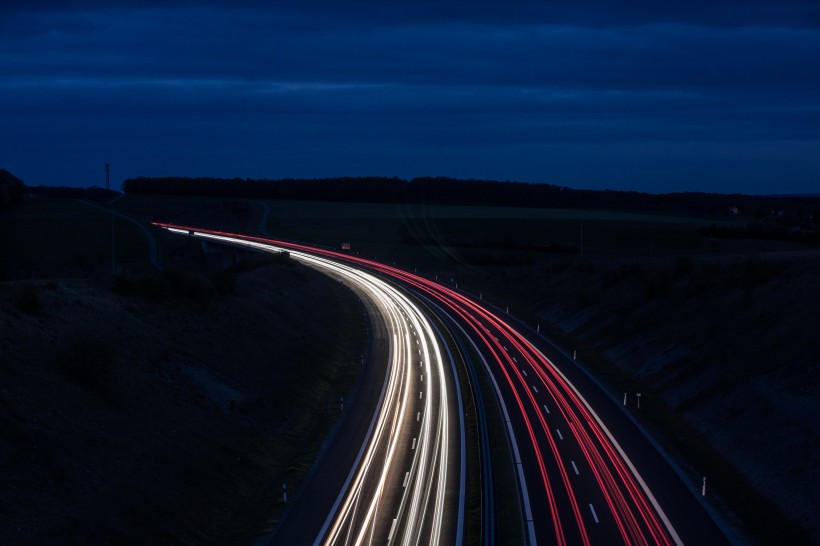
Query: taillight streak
{"points": [[616, 477]]}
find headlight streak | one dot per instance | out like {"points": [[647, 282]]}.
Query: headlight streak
{"points": [[421, 510], [637, 515], [626, 516]]}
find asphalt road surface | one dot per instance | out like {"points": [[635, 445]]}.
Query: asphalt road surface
{"points": [[586, 473]]}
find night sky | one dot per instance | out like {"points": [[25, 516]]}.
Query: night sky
{"points": [[643, 95]]}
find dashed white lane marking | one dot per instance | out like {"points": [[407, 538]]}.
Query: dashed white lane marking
{"points": [[575, 468], [392, 528], [414, 447], [407, 477], [546, 408], [418, 415], [535, 388], [422, 377], [594, 515], [559, 434], [524, 372], [420, 393], [515, 360]]}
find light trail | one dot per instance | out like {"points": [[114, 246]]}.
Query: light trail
{"points": [[395, 480], [630, 507]]}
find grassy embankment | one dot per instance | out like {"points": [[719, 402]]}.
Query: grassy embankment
{"points": [[166, 408]]}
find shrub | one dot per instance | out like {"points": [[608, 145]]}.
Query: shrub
{"points": [[253, 261], [224, 282], [756, 271], [198, 287], [683, 266], [28, 300], [88, 359], [145, 286], [659, 284]]}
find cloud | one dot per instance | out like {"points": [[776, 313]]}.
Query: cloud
{"points": [[382, 83], [593, 13]]}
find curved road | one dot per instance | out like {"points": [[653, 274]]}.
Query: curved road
{"points": [[586, 474], [405, 486]]}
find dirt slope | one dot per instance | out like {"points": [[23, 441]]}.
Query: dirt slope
{"points": [[170, 419], [726, 354]]}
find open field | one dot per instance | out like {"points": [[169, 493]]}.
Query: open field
{"points": [[432, 237], [44, 237]]}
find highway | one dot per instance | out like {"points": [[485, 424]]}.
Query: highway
{"points": [[406, 485], [586, 474]]}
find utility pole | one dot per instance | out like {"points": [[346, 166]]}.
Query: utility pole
{"points": [[111, 205]]}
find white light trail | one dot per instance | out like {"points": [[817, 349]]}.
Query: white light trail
{"points": [[412, 501]]}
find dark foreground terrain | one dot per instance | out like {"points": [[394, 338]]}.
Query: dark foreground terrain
{"points": [[169, 409], [165, 408], [725, 354]]}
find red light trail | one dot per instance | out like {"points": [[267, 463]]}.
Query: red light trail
{"points": [[629, 503]]}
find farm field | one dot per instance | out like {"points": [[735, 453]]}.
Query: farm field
{"points": [[44, 237], [435, 237]]}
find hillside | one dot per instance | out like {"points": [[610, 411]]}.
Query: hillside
{"points": [[716, 330], [726, 356], [713, 321], [170, 412]]}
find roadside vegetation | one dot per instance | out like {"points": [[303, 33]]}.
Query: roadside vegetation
{"points": [[163, 407], [201, 379], [725, 354]]}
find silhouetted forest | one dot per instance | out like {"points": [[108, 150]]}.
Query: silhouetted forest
{"points": [[792, 210], [782, 217], [93, 193], [12, 189]]}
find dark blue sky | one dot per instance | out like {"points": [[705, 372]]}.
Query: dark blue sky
{"points": [[652, 96]]}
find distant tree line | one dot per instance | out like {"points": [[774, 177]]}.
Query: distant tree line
{"points": [[93, 193], [762, 229], [12, 189], [449, 191]]}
